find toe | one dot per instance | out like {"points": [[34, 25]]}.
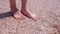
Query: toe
{"points": [[35, 17], [20, 17]]}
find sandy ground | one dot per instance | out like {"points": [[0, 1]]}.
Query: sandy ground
{"points": [[47, 10]]}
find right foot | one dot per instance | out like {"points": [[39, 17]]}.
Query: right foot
{"points": [[18, 15]]}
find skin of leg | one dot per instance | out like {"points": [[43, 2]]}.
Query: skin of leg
{"points": [[16, 14], [27, 13]]}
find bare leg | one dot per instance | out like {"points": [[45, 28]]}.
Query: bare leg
{"points": [[27, 13], [17, 14]]}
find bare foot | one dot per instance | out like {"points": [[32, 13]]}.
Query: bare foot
{"points": [[30, 15], [17, 15]]}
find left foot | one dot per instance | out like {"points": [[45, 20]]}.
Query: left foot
{"points": [[29, 14]]}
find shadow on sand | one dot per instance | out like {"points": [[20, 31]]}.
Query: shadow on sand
{"points": [[7, 14], [13, 8]]}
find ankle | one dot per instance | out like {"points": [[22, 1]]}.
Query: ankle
{"points": [[14, 9]]}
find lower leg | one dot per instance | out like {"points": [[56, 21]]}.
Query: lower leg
{"points": [[14, 10], [13, 6], [27, 13]]}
